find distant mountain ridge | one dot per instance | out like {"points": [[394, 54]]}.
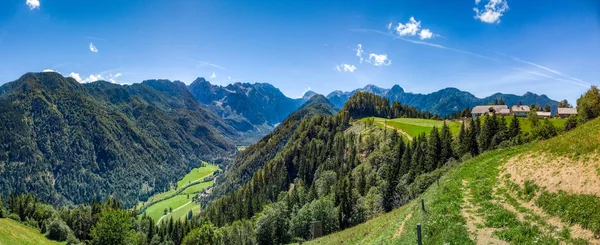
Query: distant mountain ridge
{"points": [[443, 102], [250, 108]]}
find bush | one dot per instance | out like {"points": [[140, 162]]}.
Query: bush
{"points": [[207, 234], [58, 230], [14, 216], [588, 106], [72, 240]]}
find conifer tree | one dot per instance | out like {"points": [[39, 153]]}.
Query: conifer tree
{"points": [[434, 148], [515, 128], [446, 151]]}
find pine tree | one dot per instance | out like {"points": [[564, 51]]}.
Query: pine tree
{"points": [[472, 134], [434, 148], [515, 128], [462, 141], [446, 145]]}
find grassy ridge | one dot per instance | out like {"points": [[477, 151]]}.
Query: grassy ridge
{"points": [[507, 210], [15, 233]]}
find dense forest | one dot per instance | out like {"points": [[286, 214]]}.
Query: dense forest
{"points": [[69, 143], [255, 156]]}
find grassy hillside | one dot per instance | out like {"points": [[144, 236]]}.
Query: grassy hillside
{"points": [[415, 126], [15, 233], [412, 127], [521, 195]]}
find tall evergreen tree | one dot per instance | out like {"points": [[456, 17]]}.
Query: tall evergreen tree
{"points": [[446, 151], [515, 128], [434, 148]]}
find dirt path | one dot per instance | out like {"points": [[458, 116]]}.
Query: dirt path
{"points": [[551, 223], [482, 236], [401, 228], [399, 131], [158, 222]]}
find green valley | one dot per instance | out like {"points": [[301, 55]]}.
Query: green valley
{"points": [[179, 200]]}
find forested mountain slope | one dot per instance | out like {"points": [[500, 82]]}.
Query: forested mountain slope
{"points": [[255, 156], [70, 143], [443, 102]]}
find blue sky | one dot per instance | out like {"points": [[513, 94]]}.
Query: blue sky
{"points": [[484, 46]]}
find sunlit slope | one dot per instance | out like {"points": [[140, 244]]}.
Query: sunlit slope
{"points": [[15, 233], [541, 193]]}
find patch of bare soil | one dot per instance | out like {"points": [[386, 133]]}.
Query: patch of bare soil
{"points": [[553, 224], [484, 235], [400, 131], [581, 176], [401, 228]]}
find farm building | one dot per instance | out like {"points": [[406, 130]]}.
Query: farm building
{"points": [[566, 112], [487, 109], [543, 114], [520, 110], [504, 112]]}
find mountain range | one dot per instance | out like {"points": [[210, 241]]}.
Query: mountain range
{"points": [[70, 143], [443, 102]]}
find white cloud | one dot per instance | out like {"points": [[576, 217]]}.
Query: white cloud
{"points": [[425, 34], [118, 75], [410, 28], [389, 26], [345, 68], [492, 11], [92, 78], [48, 70], [213, 75], [93, 48], [413, 28], [229, 78], [379, 60], [359, 52], [75, 76], [33, 4]]}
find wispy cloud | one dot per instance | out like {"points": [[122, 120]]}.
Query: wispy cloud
{"points": [[213, 75], [359, 52], [345, 68], [204, 64], [48, 70], [565, 76], [97, 39], [423, 43], [491, 12], [33, 4], [582, 84], [93, 48]]}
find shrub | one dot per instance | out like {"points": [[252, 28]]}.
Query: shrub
{"points": [[58, 230], [207, 234]]}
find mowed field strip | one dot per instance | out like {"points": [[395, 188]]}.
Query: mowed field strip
{"points": [[181, 203]]}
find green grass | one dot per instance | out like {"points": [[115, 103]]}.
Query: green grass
{"points": [[157, 210], [176, 198], [197, 174], [197, 188], [415, 126], [183, 211], [15, 233], [580, 141]]}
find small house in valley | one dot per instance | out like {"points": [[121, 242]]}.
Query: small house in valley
{"points": [[520, 110], [566, 112], [487, 109], [504, 112], [543, 114]]}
